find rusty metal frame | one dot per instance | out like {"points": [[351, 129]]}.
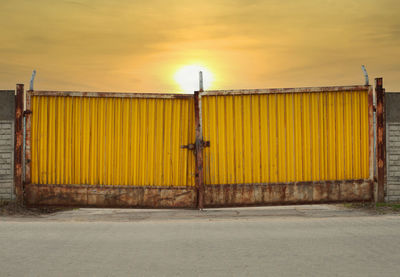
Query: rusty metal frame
{"points": [[283, 90], [110, 94], [371, 132], [380, 139], [226, 195], [28, 139], [230, 195], [199, 178], [111, 196], [18, 143]]}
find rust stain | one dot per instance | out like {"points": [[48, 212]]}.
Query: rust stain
{"points": [[199, 178], [284, 90], [110, 94], [111, 196], [18, 138], [28, 140], [186, 197], [381, 138], [287, 193], [371, 132]]}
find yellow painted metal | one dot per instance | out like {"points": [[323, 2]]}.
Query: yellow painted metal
{"points": [[298, 153], [273, 138], [285, 137], [315, 144], [112, 141]]}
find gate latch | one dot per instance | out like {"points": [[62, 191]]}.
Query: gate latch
{"points": [[192, 146], [205, 143], [27, 112]]}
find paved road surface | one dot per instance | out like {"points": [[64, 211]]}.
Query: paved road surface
{"points": [[305, 241]]}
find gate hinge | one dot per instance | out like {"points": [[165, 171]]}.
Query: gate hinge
{"points": [[27, 112]]}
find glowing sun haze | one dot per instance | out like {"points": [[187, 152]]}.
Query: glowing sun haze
{"points": [[130, 45], [188, 77]]}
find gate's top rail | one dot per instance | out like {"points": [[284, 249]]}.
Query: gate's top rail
{"points": [[204, 93], [285, 90], [110, 94]]}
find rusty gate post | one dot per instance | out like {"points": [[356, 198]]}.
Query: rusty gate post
{"points": [[199, 178], [381, 139], [28, 155], [18, 143]]}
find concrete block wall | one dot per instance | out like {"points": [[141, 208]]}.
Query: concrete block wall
{"points": [[393, 162], [7, 112], [393, 147]]}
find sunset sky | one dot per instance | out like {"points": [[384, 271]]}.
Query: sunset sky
{"points": [[130, 45]]}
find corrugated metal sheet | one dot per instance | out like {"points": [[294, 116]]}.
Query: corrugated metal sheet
{"points": [[112, 141], [285, 137]]}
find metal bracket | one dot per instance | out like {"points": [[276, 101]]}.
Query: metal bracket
{"points": [[205, 143], [201, 80], [32, 79], [365, 75], [192, 146], [189, 146], [27, 112]]}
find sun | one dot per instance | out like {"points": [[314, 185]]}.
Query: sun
{"points": [[188, 77]]}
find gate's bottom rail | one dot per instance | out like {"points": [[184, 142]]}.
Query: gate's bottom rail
{"points": [[287, 193], [110, 196], [186, 197]]}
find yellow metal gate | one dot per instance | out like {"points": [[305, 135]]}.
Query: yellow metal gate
{"points": [[250, 147], [287, 145], [98, 144]]}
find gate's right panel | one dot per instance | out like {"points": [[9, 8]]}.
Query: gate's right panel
{"points": [[287, 145]]}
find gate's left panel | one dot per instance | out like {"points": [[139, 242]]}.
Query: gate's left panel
{"points": [[110, 150]]}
